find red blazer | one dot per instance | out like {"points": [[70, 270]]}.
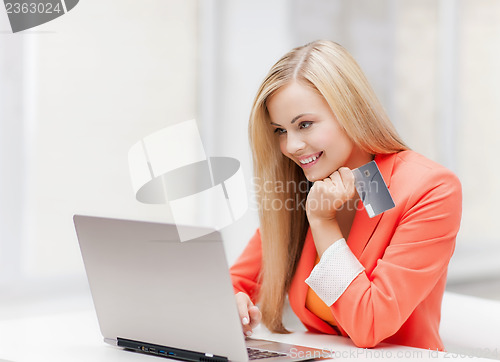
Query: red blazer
{"points": [[405, 252]]}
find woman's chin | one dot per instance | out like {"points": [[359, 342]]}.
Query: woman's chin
{"points": [[314, 177], [319, 175]]}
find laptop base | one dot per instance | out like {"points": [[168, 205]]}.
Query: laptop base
{"points": [[168, 352]]}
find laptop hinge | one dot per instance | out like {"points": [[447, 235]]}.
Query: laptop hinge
{"points": [[168, 352]]}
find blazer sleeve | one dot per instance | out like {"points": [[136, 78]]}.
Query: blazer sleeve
{"points": [[375, 306], [246, 270]]}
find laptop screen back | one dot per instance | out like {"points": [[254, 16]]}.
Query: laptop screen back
{"points": [[148, 286]]}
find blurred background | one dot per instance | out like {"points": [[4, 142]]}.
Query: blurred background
{"points": [[78, 92]]}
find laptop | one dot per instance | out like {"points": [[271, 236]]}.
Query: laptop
{"points": [[155, 294]]}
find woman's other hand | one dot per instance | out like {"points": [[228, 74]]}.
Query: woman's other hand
{"points": [[328, 196], [250, 314]]}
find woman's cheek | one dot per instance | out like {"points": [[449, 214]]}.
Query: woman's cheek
{"points": [[283, 147]]}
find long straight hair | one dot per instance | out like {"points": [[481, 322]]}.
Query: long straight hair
{"points": [[281, 186]]}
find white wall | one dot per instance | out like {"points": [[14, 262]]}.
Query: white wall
{"points": [[83, 89]]}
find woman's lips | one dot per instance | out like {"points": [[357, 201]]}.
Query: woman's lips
{"points": [[310, 161]]}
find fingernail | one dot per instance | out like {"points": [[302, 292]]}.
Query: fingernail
{"points": [[244, 321], [248, 333]]}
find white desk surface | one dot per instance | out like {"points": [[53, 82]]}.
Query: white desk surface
{"points": [[75, 336]]}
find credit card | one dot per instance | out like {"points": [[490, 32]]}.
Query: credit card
{"points": [[372, 189]]}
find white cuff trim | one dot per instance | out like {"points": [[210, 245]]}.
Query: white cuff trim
{"points": [[335, 271]]}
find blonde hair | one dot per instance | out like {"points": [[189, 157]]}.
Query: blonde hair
{"points": [[329, 69]]}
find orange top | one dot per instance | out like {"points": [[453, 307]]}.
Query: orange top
{"points": [[319, 308], [405, 252]]}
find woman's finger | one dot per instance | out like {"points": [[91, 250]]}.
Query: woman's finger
{"points": [[336, 180], [242, 301], [347, 177], [255, 316]]}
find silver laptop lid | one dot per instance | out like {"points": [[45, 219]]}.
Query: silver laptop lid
{"points": [[148, 286]]}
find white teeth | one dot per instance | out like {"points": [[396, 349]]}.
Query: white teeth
{"points": [[308, 160]]}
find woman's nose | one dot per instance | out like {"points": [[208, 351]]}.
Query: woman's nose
{"points": [[294, 143]]}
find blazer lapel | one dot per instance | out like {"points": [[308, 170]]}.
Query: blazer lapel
{"points": [[363, 226], [361, 230]]}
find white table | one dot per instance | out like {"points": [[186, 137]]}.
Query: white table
{"points": [[75, 336]]}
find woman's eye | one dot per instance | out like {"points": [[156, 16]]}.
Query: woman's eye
{"points": [[305, 124], [279, 131]]}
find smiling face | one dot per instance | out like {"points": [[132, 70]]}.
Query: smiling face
{"points": [[309, 134]]}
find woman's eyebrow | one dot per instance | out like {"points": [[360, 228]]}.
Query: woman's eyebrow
{"points": [[297, 117], [294, 119]]}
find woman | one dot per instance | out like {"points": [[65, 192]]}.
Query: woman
{"points": [[314, 119]]}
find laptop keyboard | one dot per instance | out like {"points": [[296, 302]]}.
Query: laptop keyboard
{"points": [[254, 353]]}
